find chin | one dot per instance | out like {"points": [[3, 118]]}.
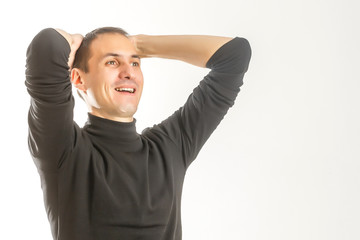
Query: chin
{"points": [[127, 111]]}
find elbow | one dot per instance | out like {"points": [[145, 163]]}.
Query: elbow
{"points": [[47, 56], [41, 41], [243, 53], [47, 45]]}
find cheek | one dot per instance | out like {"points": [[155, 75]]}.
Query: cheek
{"points": [[97, 90], [101, 82], [92, 98], [140, 78]]}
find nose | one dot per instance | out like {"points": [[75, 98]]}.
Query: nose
{"points": [[126, 71]]}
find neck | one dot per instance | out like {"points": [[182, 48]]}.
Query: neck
{"points": [[111, 117], [112, 134]]}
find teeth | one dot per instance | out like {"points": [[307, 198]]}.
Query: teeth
{"points": [[130, 90]]}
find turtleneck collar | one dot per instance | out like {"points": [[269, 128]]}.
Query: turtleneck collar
{"points": [[113, 132]]}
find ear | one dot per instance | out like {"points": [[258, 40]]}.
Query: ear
{"points": [[77, 79]]}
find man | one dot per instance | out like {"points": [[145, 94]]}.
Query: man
{"points": [[106, 181]]}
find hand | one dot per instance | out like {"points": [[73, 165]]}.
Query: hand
{"points": [[136, 41], [74, 41]]}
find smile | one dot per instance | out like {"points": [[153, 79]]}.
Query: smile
{"points": [[129, 90]]}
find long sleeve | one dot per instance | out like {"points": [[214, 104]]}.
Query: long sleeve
{"points": [[192, 124], [51, 110]]}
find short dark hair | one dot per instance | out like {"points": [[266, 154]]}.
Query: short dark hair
{"points": [[83, 53]]}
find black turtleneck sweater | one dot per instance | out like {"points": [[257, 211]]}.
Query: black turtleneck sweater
{"points": [[105, 181]]}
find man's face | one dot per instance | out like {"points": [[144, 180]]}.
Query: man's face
{"points": [[114, 80]]}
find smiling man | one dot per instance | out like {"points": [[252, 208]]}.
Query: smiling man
{"points": [[112, 81], [104, 180]]}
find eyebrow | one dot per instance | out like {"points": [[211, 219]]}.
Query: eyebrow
{"points": [[119, 55]]}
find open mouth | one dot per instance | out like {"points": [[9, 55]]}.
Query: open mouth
{"points": [[127, 90]]}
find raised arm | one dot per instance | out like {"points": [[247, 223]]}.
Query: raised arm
{"points": [[49, 56], [193, 49], [228, 59]]}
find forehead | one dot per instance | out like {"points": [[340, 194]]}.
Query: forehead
{"points": [[111, 43]]}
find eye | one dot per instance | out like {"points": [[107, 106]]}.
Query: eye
{"points": [[135, 64], [111, 62]]}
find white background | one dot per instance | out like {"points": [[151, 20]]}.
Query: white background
{"points": [[284, 163]]}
